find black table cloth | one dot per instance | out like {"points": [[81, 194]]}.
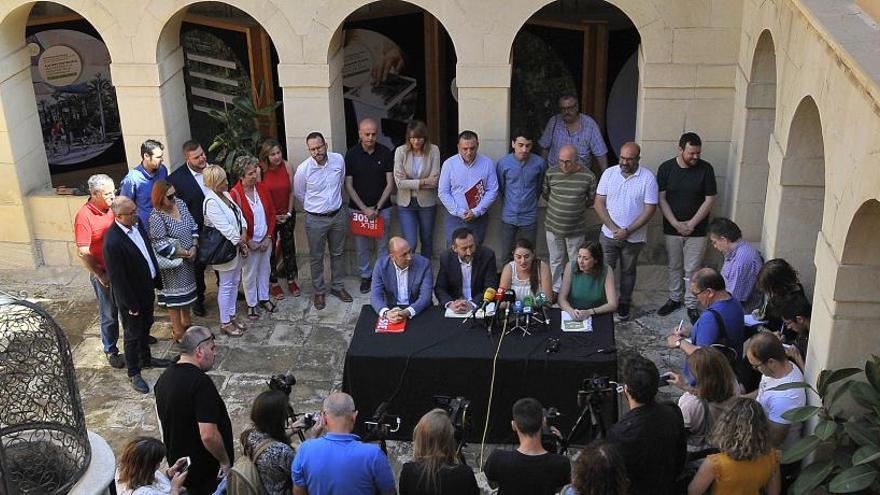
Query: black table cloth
{"points": [[439, 356]]}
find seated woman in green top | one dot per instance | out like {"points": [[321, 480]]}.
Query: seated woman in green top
{"points": [[588, 284]]}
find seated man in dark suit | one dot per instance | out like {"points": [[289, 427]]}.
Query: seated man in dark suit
{"points": [[402, 282], [466, 271]]}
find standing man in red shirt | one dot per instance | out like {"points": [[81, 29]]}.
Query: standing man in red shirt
{"points": [[92, 221]]}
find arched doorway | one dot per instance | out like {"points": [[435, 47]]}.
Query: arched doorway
{"points": [[74, 96], [398, 65], [588, 48], [750, 188], [795, 205]]}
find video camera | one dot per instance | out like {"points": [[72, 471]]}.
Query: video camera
{"points": [[380, 425], [285, 383], [458, 410], [549, 440]]}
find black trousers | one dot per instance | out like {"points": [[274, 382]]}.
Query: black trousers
{"points": [[200, 282], [284, 231], [136, 334]]}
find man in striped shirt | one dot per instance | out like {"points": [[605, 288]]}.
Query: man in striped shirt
{"points": [[569, 189]]}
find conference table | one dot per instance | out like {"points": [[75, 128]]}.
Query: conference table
{"points": [[445, 356]]}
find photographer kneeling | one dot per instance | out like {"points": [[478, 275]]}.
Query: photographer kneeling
{"points": [[338, 463], [529, 469]]}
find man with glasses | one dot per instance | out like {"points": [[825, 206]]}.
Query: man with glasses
{"points": [[574, 128], [569, 189], [720, 324], [766, 354], [192, 416], [338, 462], [138, 183], [626, 199], [317, 185], [91, 223], [134, 275]]}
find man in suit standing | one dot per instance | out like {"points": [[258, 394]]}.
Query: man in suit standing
{"points": [[189, 186], [466, 271], [402, 282], [134, 274]]}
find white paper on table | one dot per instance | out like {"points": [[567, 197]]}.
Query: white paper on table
{"points": [[452, 314], [749, 320], [568, 324]]}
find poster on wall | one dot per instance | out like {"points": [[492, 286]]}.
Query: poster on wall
{"points": [[75, 98], [383, 75]]}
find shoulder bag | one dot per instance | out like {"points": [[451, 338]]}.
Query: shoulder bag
{"points": [[214, 247]]}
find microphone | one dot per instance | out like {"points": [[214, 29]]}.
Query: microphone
{"points": [[488, 297], [527, 309], [517, 310], [499, 295]]}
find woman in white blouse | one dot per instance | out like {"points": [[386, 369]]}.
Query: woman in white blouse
{"points": [[223, 214]]}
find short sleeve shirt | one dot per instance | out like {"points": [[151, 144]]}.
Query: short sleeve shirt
{"points": [[185, 397], [89, 228], [626, 198], [706, 331], [567, 196], [686, 188], [340, 464], [777, 402], [587, 139], [517, 473], [367, 172]]}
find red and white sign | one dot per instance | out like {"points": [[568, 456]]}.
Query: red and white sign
{"points": [[360, 224], [385, 326], [475, 194]]}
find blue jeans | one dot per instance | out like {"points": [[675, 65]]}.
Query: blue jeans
{"points": [[478, 226], [363, 245], [417, 222], [109, 314]]}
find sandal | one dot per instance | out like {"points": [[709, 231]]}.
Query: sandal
{"points": [[239, 325], [269, 305], [252, 313], [230, 329]]}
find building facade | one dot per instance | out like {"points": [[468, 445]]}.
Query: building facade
{"points": [[783, 92]]}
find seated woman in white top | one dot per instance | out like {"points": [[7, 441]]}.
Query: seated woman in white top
{"points": [[139, 473], [526, 275]]}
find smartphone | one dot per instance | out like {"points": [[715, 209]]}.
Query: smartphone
{"points": [[186, 463]]}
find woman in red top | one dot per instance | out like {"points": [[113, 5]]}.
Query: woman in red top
{"points": [[256, 206], [277, 175]]}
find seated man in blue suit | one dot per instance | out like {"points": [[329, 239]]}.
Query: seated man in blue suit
{"points": [[402, 284]]}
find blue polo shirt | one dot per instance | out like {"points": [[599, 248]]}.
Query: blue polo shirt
{"points": [[706, 331], [340, 464], [520, 184], [138, 185]]}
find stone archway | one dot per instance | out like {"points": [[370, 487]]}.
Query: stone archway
{"points": [[796, 195], [750, 191]]}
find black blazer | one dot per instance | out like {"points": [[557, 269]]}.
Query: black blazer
{"points": [[190, 192], [483, 276], [130, 280]]}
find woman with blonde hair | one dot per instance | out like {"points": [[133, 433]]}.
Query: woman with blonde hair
{"points": [[174, 236], [747, 464], [434, 470], [223, 214], [417, 173], [139, 473]]}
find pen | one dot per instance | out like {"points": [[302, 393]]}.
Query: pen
{"points": [[678, 332]]}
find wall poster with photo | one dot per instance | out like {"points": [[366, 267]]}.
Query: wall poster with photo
{"points": [[76, 101]]}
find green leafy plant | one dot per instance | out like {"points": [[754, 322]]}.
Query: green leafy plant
{"points": [[239, 134], [853, 441]]}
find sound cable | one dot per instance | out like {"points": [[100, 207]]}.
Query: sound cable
{"points": [[491, 392]]}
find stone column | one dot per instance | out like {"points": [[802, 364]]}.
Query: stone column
{"points": [[23, 163], [483, 97], [152, 105]]}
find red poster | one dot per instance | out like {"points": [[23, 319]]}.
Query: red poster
{"points": [[385, 326], [361, 225], [475, 194]]}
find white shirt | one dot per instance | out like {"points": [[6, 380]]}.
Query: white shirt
{"points": [[135, 235], [260, 226], [402, 290], [319, 187], [198, 176], [776, 402], [626, 198], [417, 165], [467, 270]]}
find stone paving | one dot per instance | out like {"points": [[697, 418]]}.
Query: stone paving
{"points": [[297, 339]]}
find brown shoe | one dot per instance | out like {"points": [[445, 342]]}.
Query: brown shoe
{"points": [[342, 295], [293, 288], [319, 301]]}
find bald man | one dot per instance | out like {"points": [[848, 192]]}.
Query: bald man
{"points": [[369, 181], [626, 199], [402, 282], [134, 275]]}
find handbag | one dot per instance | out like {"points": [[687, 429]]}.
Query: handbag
{"points": [[214, 247], [164, 262]]}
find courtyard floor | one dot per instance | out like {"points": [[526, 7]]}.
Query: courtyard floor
{"points": [[297, 339]]}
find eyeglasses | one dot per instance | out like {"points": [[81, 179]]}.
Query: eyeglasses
{"points": [[698, 294], [170, 197], [209, 337], [568, 108]]}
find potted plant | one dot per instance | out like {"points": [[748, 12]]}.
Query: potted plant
{"points": [[239, 135]]}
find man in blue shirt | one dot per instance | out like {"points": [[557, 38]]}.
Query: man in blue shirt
{"points": [[520, 175], [707, 286], [138, 183], [338, 463], [468, 186]]}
